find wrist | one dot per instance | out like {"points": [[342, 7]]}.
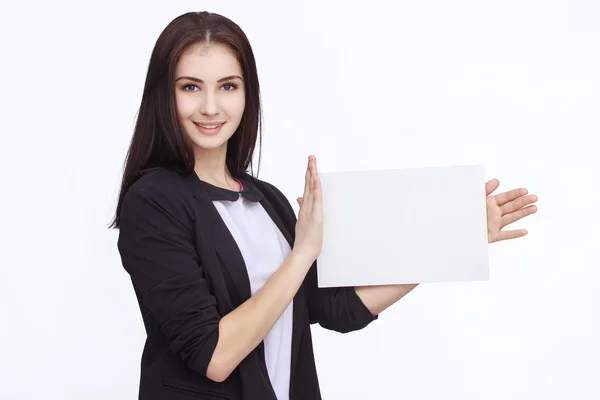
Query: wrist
{"points": [[301, 257]]}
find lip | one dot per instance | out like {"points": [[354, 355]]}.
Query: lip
{"points": [[207, 131]]}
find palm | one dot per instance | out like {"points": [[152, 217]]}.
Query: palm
{"points": [[504, 209]]}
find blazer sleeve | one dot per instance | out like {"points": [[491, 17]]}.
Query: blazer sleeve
{"points": [[339, 308], [156, 244]]}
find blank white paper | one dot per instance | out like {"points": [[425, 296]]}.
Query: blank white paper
{"points": [[411, 225]]}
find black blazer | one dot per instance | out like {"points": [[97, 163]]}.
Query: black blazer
{"points": [[187, 273]]}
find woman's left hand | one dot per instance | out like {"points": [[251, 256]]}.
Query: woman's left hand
{"points": [[504, 209]]}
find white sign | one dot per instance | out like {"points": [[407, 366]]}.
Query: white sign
{"points": [[412, 225]]}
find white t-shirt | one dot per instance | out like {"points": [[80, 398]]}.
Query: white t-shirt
{"points": [[264, 249]]}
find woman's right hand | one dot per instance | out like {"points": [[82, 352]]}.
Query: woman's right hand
{"points": [[309, 228]]}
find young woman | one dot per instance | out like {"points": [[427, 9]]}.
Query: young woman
{"points": [[224, 272]]}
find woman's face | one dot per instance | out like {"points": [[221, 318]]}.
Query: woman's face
{"points": [[209, 93]]}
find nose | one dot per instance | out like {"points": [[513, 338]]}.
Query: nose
{"points": [[210, 105]]}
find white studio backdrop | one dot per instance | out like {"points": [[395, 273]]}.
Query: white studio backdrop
{"points": [[363, 85]]}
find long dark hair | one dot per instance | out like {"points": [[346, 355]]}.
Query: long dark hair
{"points": [[158, 140]]}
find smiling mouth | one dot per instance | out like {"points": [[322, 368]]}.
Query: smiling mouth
{"points": [[209, 129], [209, 126]]}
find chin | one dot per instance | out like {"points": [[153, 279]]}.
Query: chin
{"points": [[206, 145], [209, 142]]}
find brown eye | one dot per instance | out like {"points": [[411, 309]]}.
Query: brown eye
{"points": [[230, 86], [189, 87]]}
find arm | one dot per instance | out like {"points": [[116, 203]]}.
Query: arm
{"points": [[244, 328], [338, 309], [347, 309], [378, 298]]}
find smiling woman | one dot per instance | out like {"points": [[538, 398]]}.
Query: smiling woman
{"points": [[224, 271]]}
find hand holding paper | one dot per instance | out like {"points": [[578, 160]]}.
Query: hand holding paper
{"points": [[505, 208]]}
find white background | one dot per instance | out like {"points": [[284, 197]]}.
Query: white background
{"points": [[513, 85]]}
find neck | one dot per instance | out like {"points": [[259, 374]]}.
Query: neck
{"points": [[210, 166]]}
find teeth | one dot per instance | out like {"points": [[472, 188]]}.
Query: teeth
{"points": [[209, 126]]}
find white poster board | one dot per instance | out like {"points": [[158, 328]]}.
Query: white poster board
{"points": [[411, 225]]}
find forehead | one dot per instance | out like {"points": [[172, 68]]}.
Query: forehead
{"points": [[208, 62]]}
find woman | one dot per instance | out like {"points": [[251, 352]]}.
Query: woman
{"points": [[224, 273]]}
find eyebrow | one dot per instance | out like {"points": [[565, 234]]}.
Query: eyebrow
{"points": [[227, 78]]}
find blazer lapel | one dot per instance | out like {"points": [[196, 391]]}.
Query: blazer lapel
{"points": [[285, 230], [219, 238]]}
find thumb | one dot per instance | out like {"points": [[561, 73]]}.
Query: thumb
{"points": [[299, 200], [491, 186]]}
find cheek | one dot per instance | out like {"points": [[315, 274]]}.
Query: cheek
{"points": [[235, 105], [186, 105]]}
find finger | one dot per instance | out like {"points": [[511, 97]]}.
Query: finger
{"points": [[306, 180], [308, 199], [315, 178], [318, 200], [507, 235], [517, 204], [490, 186], [311, 166], [505, 197], [299, 200], [517, 215]]}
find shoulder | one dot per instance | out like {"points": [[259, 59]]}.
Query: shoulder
{"points": [[163, 190], [274, 195], [268, 189], [160, 180]]}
